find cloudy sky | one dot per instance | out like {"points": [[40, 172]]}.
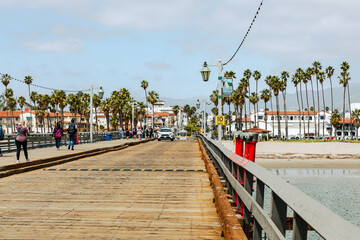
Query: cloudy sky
{"points": [[70, 44]]}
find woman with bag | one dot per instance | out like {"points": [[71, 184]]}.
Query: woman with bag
{"points": [[21, 140], [57, 134]]}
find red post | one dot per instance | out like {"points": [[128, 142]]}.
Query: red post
{"points": [[249, 154], [239, 148]]}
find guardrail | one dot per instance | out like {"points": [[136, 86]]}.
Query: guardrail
{"points": [[307, 213], [39, 140]]}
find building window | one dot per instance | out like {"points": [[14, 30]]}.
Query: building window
{"points": [[272, 117], [17, 119], [28, 119], [321, 117], [291, 118], [310, 118], [260, 117]]}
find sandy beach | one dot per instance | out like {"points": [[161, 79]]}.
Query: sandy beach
{"points": [[305, 155]]}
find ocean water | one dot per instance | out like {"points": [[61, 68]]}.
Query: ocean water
{"points": [[336, 189]]}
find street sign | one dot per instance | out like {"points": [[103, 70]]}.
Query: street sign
{"points": [[220, 120]]}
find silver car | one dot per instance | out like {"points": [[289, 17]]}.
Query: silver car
{"points": [[165, 133]]}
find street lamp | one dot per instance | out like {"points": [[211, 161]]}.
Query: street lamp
{"points": [[205, 73], [198, 104], [101, 94]]}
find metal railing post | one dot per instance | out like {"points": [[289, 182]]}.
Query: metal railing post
{"points": [[278, 212], [260, 189], [300, 228]]}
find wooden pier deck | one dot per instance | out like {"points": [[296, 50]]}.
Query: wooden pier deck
{"points": [[129, 194]]}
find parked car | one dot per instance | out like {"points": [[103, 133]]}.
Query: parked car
{"points": [[165, 133], [328, 138]]}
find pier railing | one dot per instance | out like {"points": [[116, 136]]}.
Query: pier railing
{"points": [[307, 213], [39, 140]]}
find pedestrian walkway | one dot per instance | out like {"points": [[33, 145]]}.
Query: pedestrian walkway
{"points": [[42, 153]]}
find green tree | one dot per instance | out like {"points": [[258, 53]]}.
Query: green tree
{"points": [[317, 67], [145, 85], [253, 98], [152, 99], [5, 79], [257, 76], [243, 86], [265, 96], [321, 78], [344, 81], [335, 119], [105, 106], [176, 110], [275, 84], [355, 115], [284, 77], [309, 72], [295, 79]]}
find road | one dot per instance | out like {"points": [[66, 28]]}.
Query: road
{"points": [[101, 204]]}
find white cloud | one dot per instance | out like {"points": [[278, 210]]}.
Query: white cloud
{"points": [[55, 46], [158, 65]]}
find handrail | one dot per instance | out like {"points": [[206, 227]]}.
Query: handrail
{"points": [[307, 211], [38, 140]]}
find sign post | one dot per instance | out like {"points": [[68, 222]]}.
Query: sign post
{"points": [[220, 120]]}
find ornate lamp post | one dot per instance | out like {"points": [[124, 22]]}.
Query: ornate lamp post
{"points": [[205, 73], [101, 94]]}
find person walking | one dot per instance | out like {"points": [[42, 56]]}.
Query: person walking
{"points": [[127, 133], [57, 134], [139, 133], [147, 133], [2, 136], [21, 140], [72, 130], [151, 132]]}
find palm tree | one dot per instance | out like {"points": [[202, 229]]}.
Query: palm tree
{"points": [[253, 98], [33, 98], [344, 80], [356, 116], [284, 77], [9, 93], [306, 78], [309, 73], [317, 67], [265, 96], [21, 101], [28, 80], [145, 85], [301, 76], [152, 99], [247, 75], [275, 84], [12, 106], [329, 73], [96, 104], [257, 76], [141, 111], [335, 119], [105, 106], [243, 89], [295, 79], [5, 79], [268, 82], [321, 78], [176, 109], [61, 97]]}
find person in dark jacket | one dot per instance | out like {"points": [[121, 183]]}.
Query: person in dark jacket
{"points": [[72, 130], [57, 134]]}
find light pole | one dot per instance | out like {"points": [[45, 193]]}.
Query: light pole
{"points": [[205, 73], [132, 115], [204, 113], [101, 94]]}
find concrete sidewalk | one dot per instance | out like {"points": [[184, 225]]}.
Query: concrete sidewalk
{"points": [[41, 153]]}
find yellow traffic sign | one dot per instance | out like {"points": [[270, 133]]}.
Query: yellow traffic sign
{"points": [[220, 120]]}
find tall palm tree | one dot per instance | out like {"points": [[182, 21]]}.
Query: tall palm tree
{"points": [[9, 93], [152, 99], [145, 85], [268, 82], [309, 72], [28, 80], [302, 78], [247, 75], [12, 106], [355, 115], [237, 101], [5, 79], [306, 79], [295, 79], [96, 104], [335, 119], [105, 106], [321, 78], [317, 67], [244, 83], [61, 97], [21, 101], [257, 76], [265, 96], [33, 98], [284, 77], [176, 109], [275, 84], [344, 81], [329, 73], [253, 98]]}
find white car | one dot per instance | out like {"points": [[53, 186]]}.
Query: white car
{"points": [[165, 133]]}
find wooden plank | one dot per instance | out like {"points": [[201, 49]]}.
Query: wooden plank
{"points": [[114, 205]]}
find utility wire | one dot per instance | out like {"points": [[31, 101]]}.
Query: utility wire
{"points": [[47, 88], [247, 33]]}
